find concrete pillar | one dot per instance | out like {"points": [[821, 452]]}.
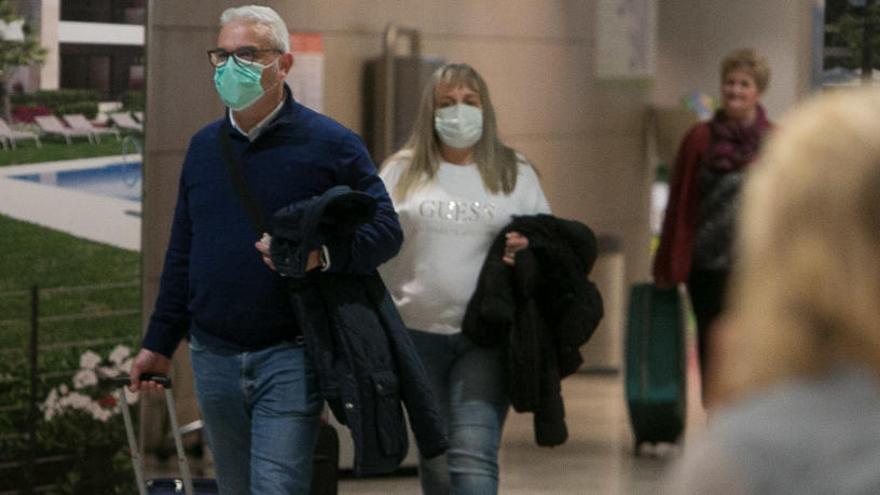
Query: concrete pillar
{"points": [[50, 16]]}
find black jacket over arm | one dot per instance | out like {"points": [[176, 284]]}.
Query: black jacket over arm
{"points": [[366, 362], [541, 311]]}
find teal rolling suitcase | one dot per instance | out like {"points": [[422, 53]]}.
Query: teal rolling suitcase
{"points": [[656, 382]]}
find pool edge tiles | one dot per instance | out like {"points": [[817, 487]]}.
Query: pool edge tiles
{"points": [[105, 219], [58, 165], [119, 180]]}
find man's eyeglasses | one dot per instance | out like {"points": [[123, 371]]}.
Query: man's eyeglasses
{"points": [[246, 55]]}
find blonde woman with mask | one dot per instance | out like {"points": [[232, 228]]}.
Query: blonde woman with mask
{"points": [[801, 344], [455, 185]]}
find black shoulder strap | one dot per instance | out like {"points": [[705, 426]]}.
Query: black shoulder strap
{"points": [[236, 175]]}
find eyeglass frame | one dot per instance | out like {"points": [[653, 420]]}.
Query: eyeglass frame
{"points": [[234, 55]]}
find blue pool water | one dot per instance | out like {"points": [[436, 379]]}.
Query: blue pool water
{"points": [[118, 180]]}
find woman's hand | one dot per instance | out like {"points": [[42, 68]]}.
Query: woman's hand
{"points": [[515, 242]]}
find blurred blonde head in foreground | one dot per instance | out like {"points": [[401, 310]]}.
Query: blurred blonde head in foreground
{"points": [[807, 292]]}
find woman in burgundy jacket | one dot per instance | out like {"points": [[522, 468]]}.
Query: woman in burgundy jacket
{"points": [[696, 241]]}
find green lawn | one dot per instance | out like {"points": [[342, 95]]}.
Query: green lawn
{"points": [[30, 254], [87, 290], [89, 300], [55, 149]]}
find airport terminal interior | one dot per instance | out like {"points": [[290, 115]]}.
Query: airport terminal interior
{"points": [[596, 93], [595, 127]]}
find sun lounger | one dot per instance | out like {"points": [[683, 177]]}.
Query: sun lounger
{"points": [[79, 122], [124, 120], [50, 124], [8, 135]]}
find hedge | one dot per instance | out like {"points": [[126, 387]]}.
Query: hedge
{"points": [[60, 102], [133, 100]]}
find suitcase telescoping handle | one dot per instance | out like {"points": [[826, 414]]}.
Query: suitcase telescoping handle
{"points": [[123, 381]]}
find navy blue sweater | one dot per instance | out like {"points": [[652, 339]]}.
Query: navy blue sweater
{"points": [[214, 282]]}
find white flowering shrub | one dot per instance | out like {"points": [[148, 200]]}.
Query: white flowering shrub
{"points": [[80, 420], [87, 391]]}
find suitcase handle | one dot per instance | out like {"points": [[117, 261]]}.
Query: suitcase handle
{"points": [[125, 380], [121, 382]]}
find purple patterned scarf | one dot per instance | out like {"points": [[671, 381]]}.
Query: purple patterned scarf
{"points": [[734, 145]]}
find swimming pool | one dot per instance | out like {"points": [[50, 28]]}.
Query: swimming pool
{"points": [[118, 180]]}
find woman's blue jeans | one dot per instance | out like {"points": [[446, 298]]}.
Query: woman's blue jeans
{"points": [[262, 413], [469, 384]]}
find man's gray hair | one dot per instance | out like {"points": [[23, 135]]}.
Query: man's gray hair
{"points": [[260, 15]]}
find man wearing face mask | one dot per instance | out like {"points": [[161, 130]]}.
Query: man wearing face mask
{"points": [[256, 386]]}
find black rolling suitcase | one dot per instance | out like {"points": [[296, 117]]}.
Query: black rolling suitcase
{"points": [[656, 382], [325, 470], [185, 484]]}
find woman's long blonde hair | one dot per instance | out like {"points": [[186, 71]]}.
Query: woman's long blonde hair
{"points": [[496, 162], [807, 295]]}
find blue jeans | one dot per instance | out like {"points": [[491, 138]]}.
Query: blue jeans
{"points": [[469, 383], [262, 414]]}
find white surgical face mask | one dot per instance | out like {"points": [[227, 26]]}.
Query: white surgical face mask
{"points": [[459, 126]]}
